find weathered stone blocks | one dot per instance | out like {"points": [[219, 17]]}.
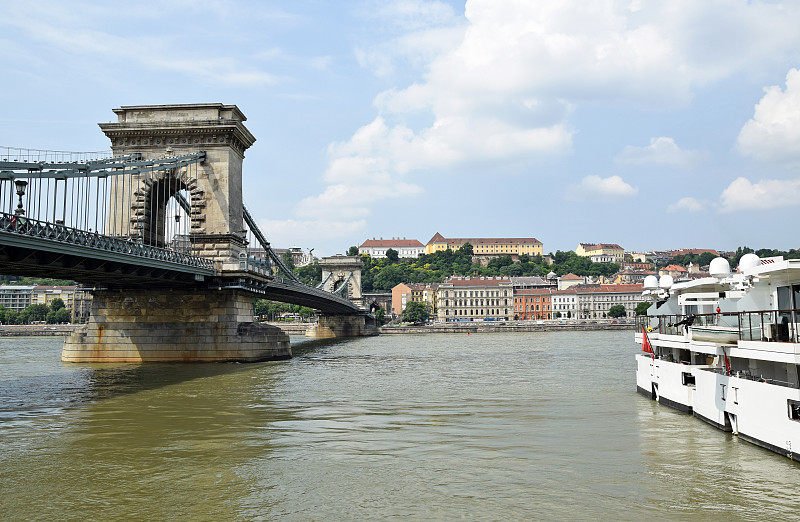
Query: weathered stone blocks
{"points": [[174, 326]]}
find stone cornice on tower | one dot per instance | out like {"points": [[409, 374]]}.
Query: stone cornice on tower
{"points": [[188, 126]]}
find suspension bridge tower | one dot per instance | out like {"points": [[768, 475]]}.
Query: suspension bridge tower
{"points": [[212, 320]]}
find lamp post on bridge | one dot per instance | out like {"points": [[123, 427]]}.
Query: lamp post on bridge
{"points": [[21, 186]]}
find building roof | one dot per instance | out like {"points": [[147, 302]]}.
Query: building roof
{"points": [[695, 251], [47, 287], [477, 281], [390, 243], [529, 280], [438, 238], [674, 268], [597, 246], [606, 289], [533, 291], [572, 277]]}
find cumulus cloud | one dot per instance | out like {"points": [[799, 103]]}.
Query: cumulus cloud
{"points": [[774, 131], [741, 194], [689, 205], [661, 151], [501, 83], [594, 186]]}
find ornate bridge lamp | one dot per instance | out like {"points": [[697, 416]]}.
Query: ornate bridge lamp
{"points": [[21, 185]]}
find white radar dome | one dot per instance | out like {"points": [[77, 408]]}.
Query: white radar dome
{"points": [[665, 282], [749, 261], [719, 268], [651, 282]]}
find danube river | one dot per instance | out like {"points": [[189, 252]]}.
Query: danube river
{"points": [[481, 427]]}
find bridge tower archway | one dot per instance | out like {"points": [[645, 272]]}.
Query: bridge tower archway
{"points": [[338, 270], [216, 228], [163, 209]]}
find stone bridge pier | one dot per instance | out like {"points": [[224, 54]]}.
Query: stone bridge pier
{"points": [[355, 325], [174, 325]]}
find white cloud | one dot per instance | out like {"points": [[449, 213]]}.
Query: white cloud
{"points": [[501, 84], [689, 205], [741, 194], [774, 131], [661, 151], [595, 186], [311, 232]]}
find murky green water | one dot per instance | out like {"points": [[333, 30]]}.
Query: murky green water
{"points": [[479, 427]]}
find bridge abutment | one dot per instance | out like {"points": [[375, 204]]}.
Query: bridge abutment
{"points": [[174, 325], [330, 326]]}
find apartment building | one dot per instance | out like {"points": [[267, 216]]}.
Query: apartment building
{"points": [[475, 299], [532, 303], [594, 301], [15, 297]]}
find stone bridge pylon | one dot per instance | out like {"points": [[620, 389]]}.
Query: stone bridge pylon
{"points": [[201, 323]]}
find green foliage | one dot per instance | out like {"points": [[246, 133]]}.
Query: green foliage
{"points": [[641, 308], [616, 311], [392, 255], [271, 310], [380, 316], [34, 281], [288, 260], [62, 315], [310, 274], [352, 251], [380, 275], [416, 312], [34, 312], [56, 304]]}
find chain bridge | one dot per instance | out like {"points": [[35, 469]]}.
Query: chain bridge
{"points": [[158, 228]]}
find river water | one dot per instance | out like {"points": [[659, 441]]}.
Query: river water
{"points": [[507, 426]]}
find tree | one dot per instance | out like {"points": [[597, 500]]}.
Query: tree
{"points": [[392, 255], [34, 312], [288, 260], [352, 251], [310, 274], [617, 311], [641, 308], [56, 304], [416, 312]]}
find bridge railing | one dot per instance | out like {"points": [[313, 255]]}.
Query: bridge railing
{"points": [[22, 226]]}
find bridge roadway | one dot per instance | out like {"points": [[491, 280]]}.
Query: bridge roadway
{"points": [[40, 249]]}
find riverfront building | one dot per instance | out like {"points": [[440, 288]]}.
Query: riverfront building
{"points": [[487, 246], [405, 248], [405, 293], [533, 303], [15, 297], [594, 301], [475, 299]]}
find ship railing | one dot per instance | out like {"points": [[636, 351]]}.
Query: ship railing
{"points": [[778, 326], [759, 325], [750, 375]]}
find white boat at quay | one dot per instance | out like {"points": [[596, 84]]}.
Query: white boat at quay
{"points": [[726, 349]]}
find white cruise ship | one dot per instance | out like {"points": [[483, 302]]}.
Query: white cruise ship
{"points": [[726, 349]]}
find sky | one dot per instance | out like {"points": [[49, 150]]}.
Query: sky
{"points": [[654, 125]]}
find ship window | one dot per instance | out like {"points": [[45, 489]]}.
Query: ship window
{"points": [[794, 410], [687, 379]]}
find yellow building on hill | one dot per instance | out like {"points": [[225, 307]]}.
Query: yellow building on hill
{"points": [[602, 252], [487, 245]]}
